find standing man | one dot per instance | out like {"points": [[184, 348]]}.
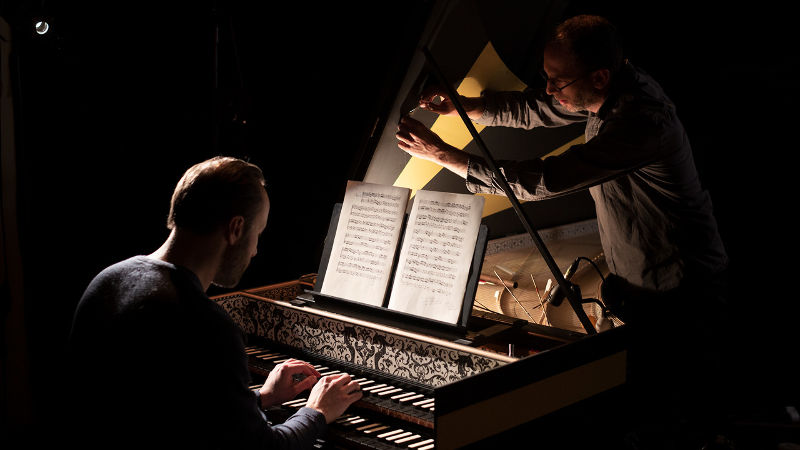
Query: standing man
{"points": [[655, 220], [158, 364]]}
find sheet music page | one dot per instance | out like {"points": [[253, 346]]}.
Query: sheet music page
{"points": [[367, 237], [438, 246]]}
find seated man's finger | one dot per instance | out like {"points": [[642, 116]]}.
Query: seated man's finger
{"points": [[305, 384], [302, 367]]}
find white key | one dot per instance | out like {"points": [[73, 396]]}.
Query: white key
{"points": [[390, 391], [345, 418], [293, 403], [406, 439], [376, 391], [366, 427], [403, 395], [408, 399], [389, 433], [398, 436], [426, 405], [421, 443]]}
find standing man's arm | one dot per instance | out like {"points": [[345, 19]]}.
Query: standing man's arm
{"points": [[526, 109], [437, 100]]}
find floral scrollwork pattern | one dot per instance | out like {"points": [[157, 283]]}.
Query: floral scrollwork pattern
{"points": [[394, 354]]}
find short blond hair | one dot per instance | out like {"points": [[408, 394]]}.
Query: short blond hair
{"points": [[214, 191]]}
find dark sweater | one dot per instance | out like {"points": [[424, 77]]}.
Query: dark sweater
{"points": [[155, 362]]}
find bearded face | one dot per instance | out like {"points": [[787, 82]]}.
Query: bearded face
{"points": [[236, 257], [235, 260], [570, 84]]}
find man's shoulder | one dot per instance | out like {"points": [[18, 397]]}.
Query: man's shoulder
{"points": [[644, 91], [640, 99], [138, 276]]}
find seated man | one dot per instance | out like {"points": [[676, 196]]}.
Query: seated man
{"points": [[158, 364]]}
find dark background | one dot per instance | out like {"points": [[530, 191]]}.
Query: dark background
{"points": [[120, 98]]}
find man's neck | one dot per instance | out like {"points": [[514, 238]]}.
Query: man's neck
{"points": [[597, 102], [200, 254]]}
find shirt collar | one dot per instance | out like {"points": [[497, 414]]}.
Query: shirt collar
{"points": [[624, 78]]}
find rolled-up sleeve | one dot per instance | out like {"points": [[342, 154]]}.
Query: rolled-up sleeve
{"points": [[526, 109], [624, 145]]}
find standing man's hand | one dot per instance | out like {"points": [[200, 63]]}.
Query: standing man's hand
{"points": [[287, 380], [436, 99], [333, 394], [417, 140]]}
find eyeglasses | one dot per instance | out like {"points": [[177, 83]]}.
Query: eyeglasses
{"points": [[559, 89]]}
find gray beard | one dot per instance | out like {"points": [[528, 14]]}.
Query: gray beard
{"points": [[583, 100]]}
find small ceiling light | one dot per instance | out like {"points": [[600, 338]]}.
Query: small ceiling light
{"points": [[42, 27]]}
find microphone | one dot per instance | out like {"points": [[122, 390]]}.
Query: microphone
{"points": [[557, 294]]}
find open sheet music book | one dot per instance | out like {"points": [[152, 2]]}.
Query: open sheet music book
{"points": [[436, 248]]}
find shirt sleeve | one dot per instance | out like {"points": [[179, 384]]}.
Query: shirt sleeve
{"points": [[298, 431], [526, 109], [621, 146]]}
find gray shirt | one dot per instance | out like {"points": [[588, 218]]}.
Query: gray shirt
{"points": [[655, 219]]}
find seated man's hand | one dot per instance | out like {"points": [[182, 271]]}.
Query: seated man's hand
{"points": [[333, 394], [287, 380]]}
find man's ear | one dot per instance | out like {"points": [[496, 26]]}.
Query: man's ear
{"points": [[234, 230], [600, 79]]}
